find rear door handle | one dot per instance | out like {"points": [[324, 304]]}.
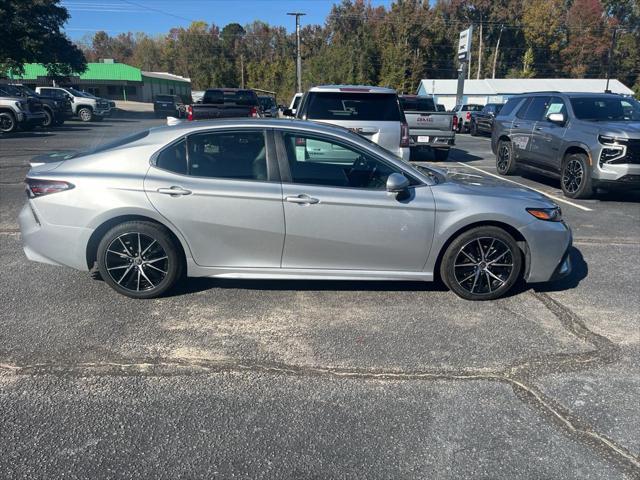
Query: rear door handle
{"points": [[174, 191], [302, 199], [515, 125]]}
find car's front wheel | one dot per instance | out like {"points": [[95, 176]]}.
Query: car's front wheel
{"points": [[481, 264], [139, 259], [576, 177], [85, 114], [48, 119]]}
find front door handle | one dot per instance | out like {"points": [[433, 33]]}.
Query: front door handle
{"points": [[515, 125], [174, 191], [302, 199]]}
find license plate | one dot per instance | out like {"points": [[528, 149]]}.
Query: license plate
{"points": [[423, 139], [165, 105]]}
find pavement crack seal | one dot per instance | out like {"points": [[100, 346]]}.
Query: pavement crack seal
{"points": [[520, 377]]}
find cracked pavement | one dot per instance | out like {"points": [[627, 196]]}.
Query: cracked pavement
{"points": [[251, 379]]}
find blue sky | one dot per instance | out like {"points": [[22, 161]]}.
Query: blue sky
{"points": [[158, 16]]}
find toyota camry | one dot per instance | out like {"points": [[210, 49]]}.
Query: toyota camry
{"points": [[282, 199]]}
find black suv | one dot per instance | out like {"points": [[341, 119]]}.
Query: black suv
{"points": [[587, 140]]}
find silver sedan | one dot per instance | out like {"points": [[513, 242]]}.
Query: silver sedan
{"points": [[282, 199]]}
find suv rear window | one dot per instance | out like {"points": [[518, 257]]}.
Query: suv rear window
{"points": [[424, 104], [239, 97], [353, 106], [164, 98]]}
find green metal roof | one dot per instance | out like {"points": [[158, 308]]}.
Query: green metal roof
{"points": [[95, 71]]}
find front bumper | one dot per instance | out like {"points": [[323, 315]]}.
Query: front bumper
{"points": [[548, 250]]}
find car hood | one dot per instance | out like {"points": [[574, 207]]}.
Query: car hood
{"points": [[620, 129], [476, 184]]}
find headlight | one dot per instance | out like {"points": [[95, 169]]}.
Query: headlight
{"points": [[547, 214], [606, 140]]}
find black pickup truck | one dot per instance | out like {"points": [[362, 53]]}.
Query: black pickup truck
{"points": [[56, 110], [482, 121], [224, 103]]}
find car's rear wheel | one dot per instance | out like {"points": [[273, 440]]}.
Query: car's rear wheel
{"points": [[139, 259], [505, 161], [85, 114], [48, 118], [576, 177], [481, 264]]}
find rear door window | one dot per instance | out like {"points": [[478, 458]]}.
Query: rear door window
{"points": [[536, 109], [353, 106], [174, 158], [508, 107]]}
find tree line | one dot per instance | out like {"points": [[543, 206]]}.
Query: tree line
{"points": [[394, 46]]}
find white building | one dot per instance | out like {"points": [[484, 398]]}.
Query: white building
{"points": [[499, 89]]}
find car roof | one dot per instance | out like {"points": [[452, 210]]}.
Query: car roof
{"points": [[351, 89], [185, 127], [569, 94]]}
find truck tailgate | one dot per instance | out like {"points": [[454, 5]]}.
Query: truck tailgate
{"points": [[429, 121]]}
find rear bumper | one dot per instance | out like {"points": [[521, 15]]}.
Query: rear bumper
{"points": [[52, 244]]}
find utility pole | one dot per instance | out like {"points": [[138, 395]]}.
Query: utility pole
{"points": [[479, 52], [298, 54], [242, 71], [610, 59], [495, 55]]}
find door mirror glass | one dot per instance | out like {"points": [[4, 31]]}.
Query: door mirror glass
{"points": [[287, 112], [396, 182], [556, 118]]}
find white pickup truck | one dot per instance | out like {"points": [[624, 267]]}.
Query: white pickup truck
{"points": [[428, 127], [85, 106]]}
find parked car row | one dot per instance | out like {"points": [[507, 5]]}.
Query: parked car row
{"points": [[22, 108]]}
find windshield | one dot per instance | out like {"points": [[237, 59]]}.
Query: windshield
{"points": [[78, 93], [267, 102], [164, 98], [606, 108]]}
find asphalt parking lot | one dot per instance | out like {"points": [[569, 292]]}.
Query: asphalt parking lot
{"points": [[256, 379]]}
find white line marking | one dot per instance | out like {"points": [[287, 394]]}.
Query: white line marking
{"points": [[557, 199]]}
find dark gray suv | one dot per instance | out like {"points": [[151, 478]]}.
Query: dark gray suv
{"points": [[587, 140]]}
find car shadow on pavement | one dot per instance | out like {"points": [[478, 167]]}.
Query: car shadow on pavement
{"points": [[195, 285], [579, 271], [27, 135], [457, 155]]}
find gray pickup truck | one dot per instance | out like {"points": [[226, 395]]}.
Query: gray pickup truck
{"points": [[428, 128]]}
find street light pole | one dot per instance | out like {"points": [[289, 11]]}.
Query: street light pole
{"points": [[299, 56]]}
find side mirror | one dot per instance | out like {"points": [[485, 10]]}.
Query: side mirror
{"points": [[396, 182], [287, 112], [556, 118]]}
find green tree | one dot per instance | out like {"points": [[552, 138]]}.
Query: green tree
{"points": [[31, 33]]}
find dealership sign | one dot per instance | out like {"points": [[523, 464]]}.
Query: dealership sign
{"points": [[464, 44]]}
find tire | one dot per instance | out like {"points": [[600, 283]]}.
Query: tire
{"points": [[85, 114], [575, 179], [8, 122], [142, 277], [505, 161], [474, 129], [493, 271], [440, 154], [48, 119]]}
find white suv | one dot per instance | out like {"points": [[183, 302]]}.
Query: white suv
{"points": [[85, 106], [373, 112]]}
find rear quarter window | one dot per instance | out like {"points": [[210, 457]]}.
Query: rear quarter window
{"points": [[337, 106]]}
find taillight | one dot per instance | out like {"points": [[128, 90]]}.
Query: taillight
{"points": [[189, 113], [455, 122], [404, 135], [39, 188], [253, 112], [468, 115]]}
